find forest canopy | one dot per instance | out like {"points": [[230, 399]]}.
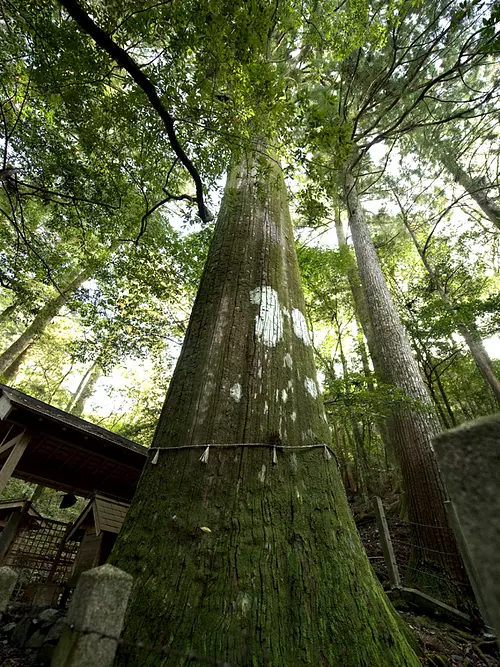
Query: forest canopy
{"points": [[118, 129], [208, 201]]}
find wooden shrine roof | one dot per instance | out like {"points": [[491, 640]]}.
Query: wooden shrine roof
{"points": [[67, 453], [107, 515], [9, 506]]}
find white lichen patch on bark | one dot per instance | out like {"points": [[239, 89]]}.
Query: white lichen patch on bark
{"points": [[266, 407], [288, 361], [269, 320], [262, 474], [311, 387], [235, 392], [284, 396], [293, 416], [300, 326]]}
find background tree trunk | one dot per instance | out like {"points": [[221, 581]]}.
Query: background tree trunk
{"points": [[467, 329], [85, 389], [240, 559], [473, 186], [413, 423], [11, 371], [50, 310]]}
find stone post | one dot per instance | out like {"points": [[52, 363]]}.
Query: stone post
{"points": [[95, 619], [469, 458], [8, 579]]}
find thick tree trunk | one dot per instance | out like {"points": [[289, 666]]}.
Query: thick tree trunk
{"points": [[473, 186], [467, 329], [413, 423], [240, 559]]}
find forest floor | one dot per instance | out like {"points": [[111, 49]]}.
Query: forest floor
{"points": [[443, 644]]}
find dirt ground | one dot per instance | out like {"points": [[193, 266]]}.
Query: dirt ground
{"points": [[443, 643]]}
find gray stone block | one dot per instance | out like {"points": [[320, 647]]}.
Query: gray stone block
{"points": [[49, 615], [21, 632], [55, 632], [36, 639], [469, 458], [8, 579], [95, 617]]}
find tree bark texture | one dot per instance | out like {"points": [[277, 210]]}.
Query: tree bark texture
{"points": [[7, 313], [240, 559], [468, 330], [473, 186], [412, 423]]}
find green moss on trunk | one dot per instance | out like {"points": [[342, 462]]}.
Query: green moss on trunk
{"points": [[242, 560]]}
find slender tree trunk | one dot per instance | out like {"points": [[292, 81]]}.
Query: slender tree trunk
{"points": [[11, 371], [49, 311], [413, 423], [7, 313], [467, 329], [363, 316], [358, 295], [445, 399], [473, 186], [239, 559], [42, 320], [85, 389]]}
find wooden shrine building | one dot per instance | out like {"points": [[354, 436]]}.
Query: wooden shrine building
{"points": [[50, 447], [53, 449]]}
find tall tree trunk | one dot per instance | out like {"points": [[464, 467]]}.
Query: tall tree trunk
{"points": [[85, 389], [473, 186], [467, 329], [358, 295], [412, 423], [239, 559], [363, 315], [11, 371]]}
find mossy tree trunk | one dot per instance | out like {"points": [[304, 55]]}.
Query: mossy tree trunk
{"points": [[412, 423], [240, 559]]}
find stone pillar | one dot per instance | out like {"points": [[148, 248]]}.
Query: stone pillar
{"points": [[95, 618], [8, 579], [469, 458]]}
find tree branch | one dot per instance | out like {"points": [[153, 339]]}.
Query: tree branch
{"points": [[103, 40]]}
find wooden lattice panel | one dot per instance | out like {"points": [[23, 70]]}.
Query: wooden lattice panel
{"points": [[40, 555]]}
